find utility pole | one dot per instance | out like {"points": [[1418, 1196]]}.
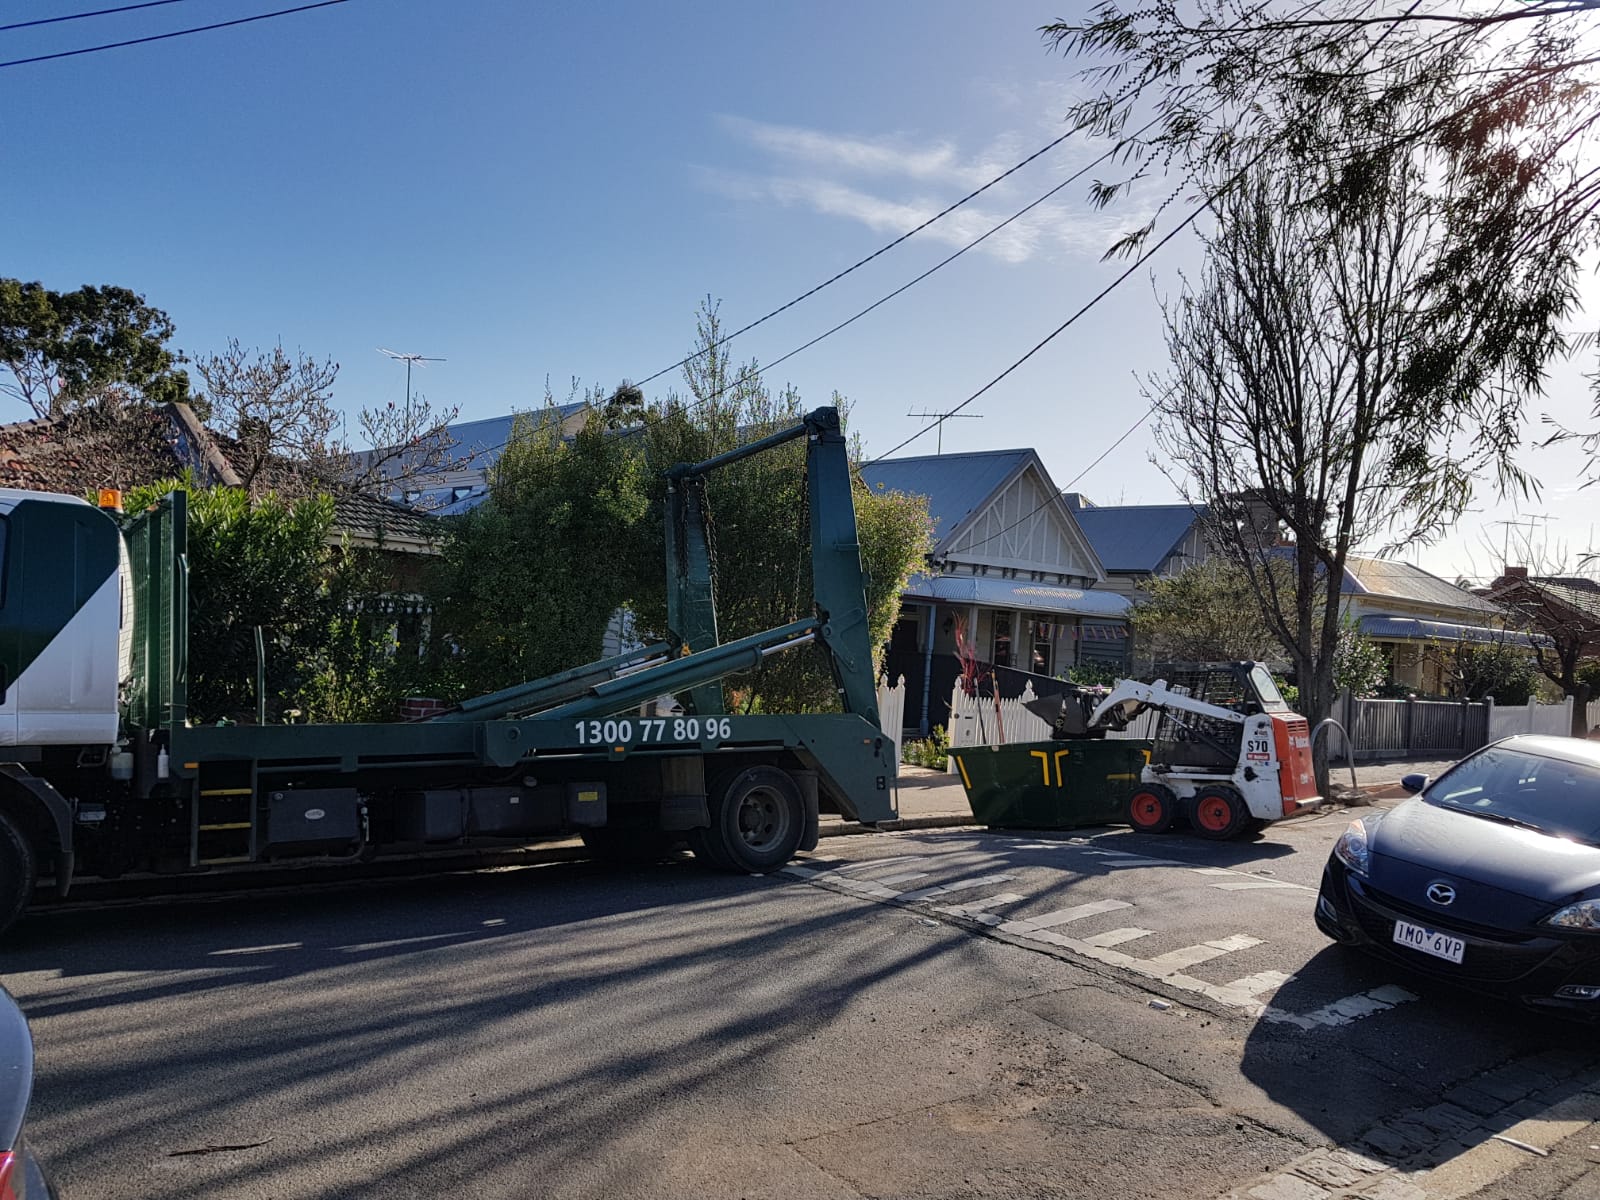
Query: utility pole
{"points": [[939, 419], [409, 359]]}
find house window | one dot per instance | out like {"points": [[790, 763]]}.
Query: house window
{"points": [[1043, 648], [1002, 640]]}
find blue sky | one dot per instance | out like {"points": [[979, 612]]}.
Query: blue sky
{"points": [[548, 191]]}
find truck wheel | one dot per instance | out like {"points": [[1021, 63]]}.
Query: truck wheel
{"points": [[1152, 809], [17, 871], [757, 820], [1218, 813], [628, 847]]}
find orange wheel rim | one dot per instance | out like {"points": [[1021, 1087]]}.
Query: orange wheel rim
{"points": [[1146, 809], [1214, 813]]}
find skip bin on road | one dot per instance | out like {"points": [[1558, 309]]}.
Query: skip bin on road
{"points": [[1051, 785]]}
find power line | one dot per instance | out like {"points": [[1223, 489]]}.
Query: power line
{"points": [[99, 12], [176, 33], [882, 250], [851, 320], [1057, 331]]}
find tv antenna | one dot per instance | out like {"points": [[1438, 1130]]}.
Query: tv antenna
{"points": [[1531, 522], [420, 360], [939, 419]]}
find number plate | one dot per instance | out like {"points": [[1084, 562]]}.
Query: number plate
{"points": [[1429, 941]]}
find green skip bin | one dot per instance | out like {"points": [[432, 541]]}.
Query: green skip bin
{"points": [[1051, 785]]}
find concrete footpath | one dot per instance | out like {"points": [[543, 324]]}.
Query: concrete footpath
{"points": [[931, 799]]}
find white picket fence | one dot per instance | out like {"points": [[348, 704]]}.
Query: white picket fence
{"points": [[1554, 719], [974, 721], [892, 710]]}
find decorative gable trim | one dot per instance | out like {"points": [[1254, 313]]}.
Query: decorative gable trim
{"points": [[1024, 524]]}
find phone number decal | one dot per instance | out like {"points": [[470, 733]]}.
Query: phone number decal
{"points": [[649, 730]]}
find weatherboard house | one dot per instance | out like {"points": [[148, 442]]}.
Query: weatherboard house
{"points": [[1010, 568]]}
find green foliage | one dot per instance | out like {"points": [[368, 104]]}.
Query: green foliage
{"points": [[527, 581], [758, 523], [1207, 613], [1498, 669], [1093, 675], [1359, 666], [264, 564], [932, 752], [327, 625], [66, 349]]}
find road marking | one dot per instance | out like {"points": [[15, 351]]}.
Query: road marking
{"points": [[1343, 1011], [960, 885], [1175, 961], [1115, 937], [1213, 871], [1261, 981], [869, 863], [902, 877], [978, 909], [1250, 885], [1062, 915], [256, 949]]}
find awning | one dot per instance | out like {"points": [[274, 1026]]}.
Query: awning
{"points": [[1413, 629], [1016, 594]]}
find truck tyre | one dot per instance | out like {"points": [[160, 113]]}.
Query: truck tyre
{"points": [[1218, 813], [628, 847], [1152, 808], [757, 820], [17, 871]]}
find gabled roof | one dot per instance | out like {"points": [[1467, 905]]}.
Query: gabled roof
{"points": [[956, 485], [1581, 595], [472, 445], [1136, 537], [1402, 581]]}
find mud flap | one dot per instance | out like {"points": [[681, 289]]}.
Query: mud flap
{"points": [[807, 782]]}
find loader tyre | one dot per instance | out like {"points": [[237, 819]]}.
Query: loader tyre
{"points": [[17, 871], [1218, 813], [1152, 808], [757, 821]]}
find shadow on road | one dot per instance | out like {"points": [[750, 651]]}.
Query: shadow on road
{"points": [[1343, 1078], [302, 1017]]}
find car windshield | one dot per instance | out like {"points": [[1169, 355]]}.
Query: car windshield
{"points": [[1552, 795]]}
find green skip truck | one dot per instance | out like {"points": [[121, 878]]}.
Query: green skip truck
{"points": [[102, 774]]}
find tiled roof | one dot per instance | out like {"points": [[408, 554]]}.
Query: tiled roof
{"points": [[74, 455], [955, 484], [1402, 581], [1581, 594], [1136, 537]]}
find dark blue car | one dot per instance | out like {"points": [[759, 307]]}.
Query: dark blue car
{"points": [[1489, 878], [20, 1174]]}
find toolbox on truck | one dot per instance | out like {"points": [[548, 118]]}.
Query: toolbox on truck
{"points": [[1051, 785]]}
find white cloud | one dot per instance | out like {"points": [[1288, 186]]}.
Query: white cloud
{"points": [[881, 183]]}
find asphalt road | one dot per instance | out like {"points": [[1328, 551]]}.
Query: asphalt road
{"points": [[1100, 1016]]}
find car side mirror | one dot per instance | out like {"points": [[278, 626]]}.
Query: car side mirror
{"points": [[1414, 782]]}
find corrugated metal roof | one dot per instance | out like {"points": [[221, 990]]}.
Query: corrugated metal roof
{"points": [[955, 484], [1016, 593], [1411, 629], [1136, 537], [1402, 581]]}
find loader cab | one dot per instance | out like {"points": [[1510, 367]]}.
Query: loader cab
{"points": [[60, 613], [1205, 742]]}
